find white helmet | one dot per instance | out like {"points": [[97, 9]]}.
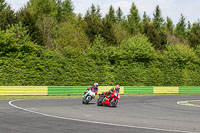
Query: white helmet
{"points": [[117, 88], [96, 84]]}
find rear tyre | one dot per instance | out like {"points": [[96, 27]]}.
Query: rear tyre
{"points": [[99, 101]]}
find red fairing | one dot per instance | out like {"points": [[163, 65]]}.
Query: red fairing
{"points": [[110, 97], [104, 93], [106, 101]]}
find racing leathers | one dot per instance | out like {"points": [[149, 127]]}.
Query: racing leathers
{"points": [[93, 89]]}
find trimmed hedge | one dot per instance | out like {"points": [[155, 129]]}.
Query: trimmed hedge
{"points": [[134, 63]]}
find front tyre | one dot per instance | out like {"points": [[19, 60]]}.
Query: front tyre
{"points": [[113, 102], [88, 99], [83, 101]]}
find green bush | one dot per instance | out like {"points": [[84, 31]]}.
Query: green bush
{"points": [[177, 59], [136, 49]]}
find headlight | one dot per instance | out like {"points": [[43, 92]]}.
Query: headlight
{"points": [[119, 96]]}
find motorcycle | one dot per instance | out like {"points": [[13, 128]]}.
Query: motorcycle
{"points": [[110, 100], [89, 95]]}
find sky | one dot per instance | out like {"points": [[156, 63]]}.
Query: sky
{"points": [[171, 8]]}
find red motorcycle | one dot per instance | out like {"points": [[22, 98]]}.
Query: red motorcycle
{"points": [[110, 100]]}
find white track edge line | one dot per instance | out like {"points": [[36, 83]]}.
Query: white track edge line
{"points": [[94, 122]]}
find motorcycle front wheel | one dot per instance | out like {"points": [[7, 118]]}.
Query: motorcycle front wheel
{"points": [[113, 103], [88, 99], [83, 101]]}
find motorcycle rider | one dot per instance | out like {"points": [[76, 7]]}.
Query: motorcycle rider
{"points": [[93, 88], [116, 88]]}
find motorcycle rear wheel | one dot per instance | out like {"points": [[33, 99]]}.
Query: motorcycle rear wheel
{"points": [[99, 102]]}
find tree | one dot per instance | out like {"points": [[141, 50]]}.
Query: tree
{"points": [[194, 35], [145, 22], [155, 31], [158, 20], [94, 22], [3, 5], [29, 21], [59, 7], [6, 14], [108, 32], [146, 19], [119, 15], [169, 28], [71, 34], [169, 25], [134, 20], [64, 10], [111, 15], [189, 25], [157, 37], [45, 12], [180, 30], [42, 8], [47, 26], [120, 34]]}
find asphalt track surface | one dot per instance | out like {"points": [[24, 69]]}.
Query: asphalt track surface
{"points": [[148, 114]]}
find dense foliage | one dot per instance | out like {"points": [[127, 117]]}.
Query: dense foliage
{"points": [[46, 43]]}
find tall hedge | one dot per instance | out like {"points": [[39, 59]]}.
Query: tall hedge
{"points": [[135, 62]]}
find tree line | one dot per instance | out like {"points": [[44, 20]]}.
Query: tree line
{"points": [[46, 43]]}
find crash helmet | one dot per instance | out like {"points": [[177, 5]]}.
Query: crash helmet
{"points": [[96, 85], [117, 88]]}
